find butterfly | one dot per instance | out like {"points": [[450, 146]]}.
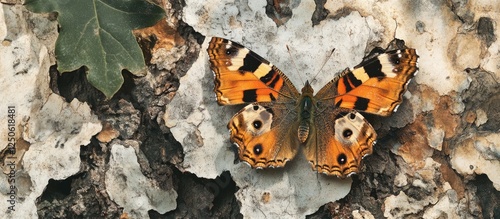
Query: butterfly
{"points": [[327, 126]]}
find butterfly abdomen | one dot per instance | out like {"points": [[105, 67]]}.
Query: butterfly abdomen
{"points": [[305, 116], [303, 131]]}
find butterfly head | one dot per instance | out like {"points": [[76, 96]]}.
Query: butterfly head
{"points": [[307, 89]]}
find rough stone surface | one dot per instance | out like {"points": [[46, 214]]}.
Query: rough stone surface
{"points": [[142, 195], [49, 131], [478, 155], [44, 170]]}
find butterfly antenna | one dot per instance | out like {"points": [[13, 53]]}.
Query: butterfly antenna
{"points": [[323, 65], [395, 29], [295, 65]]}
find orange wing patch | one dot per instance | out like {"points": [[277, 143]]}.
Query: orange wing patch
{"points": [[242, 76], [378, 84]]}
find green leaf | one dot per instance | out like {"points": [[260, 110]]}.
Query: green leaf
{"points": [[98, 34]]}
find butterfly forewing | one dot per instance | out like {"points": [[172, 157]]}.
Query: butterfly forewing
{"points": [[375, 86], [242, 76]]}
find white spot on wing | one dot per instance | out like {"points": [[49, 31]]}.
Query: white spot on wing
{"points": [[385, 109], [408, 82], [250, 115], [396, 108], [237, 61], [262, 70], [351, 174], [387, 66], [229, 45], [360, 74], [223, 99]]}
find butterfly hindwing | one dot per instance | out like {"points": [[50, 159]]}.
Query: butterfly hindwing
{"points": [[262, 135], [339, 141]]}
